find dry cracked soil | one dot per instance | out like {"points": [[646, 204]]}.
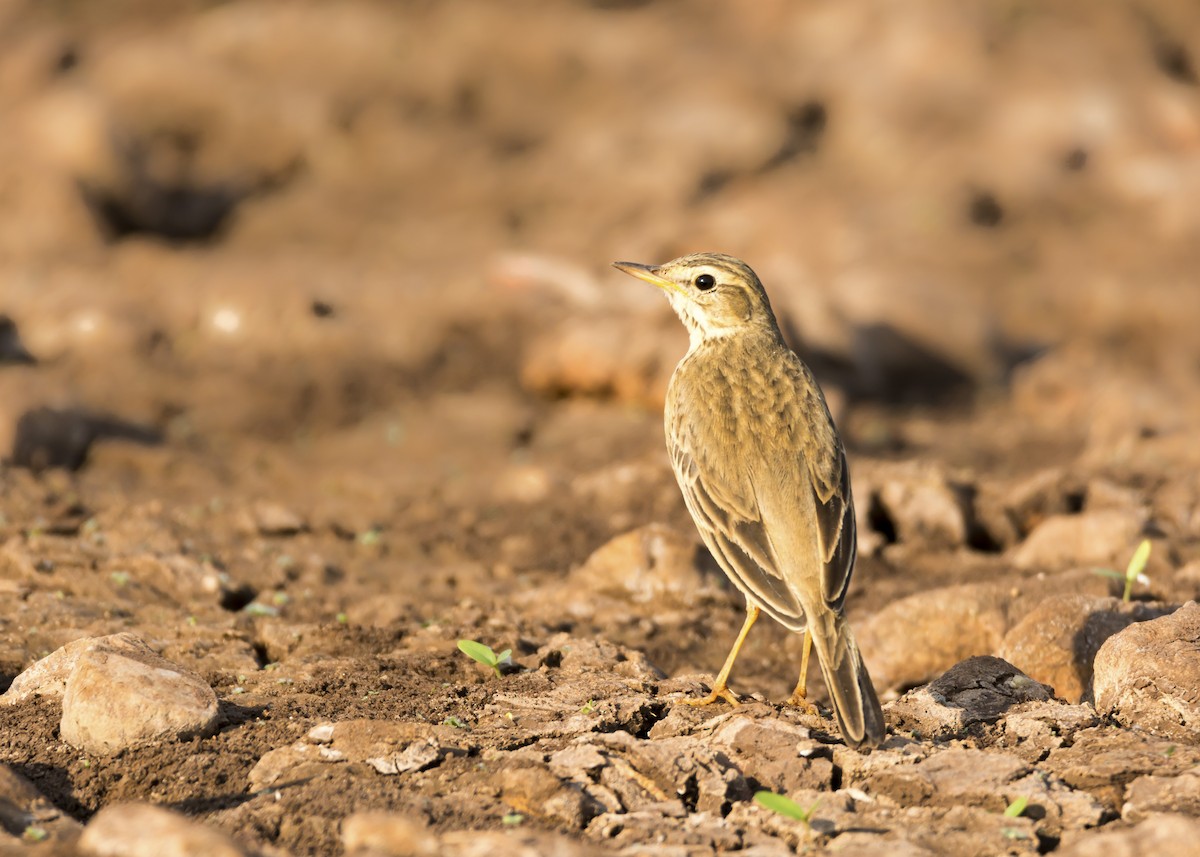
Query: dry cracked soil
{"points": [[311, 366]]}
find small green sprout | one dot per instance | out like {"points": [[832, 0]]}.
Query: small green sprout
{"points": [[588, 707], [512, 819], [785, 806], [1016, 807], [342, 619], [1133, 572], [120, 578], [484, 655], [254, 608], [455, 722], [35, 834]]}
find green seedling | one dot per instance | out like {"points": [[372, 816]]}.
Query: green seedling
{"points": [[1016, 807], [455, 722], [785, 806], [512, 819], [484, 655], [1133, 571]]}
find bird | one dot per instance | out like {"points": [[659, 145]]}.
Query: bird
{"points": [[763, 473]]}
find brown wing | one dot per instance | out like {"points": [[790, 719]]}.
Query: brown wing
{"points": [[761, 506], [723, 505], [813, 435], [836, 529]]}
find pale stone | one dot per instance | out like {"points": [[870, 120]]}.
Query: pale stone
{"points": [[143, 830], [1148, 675], [119, 697]]}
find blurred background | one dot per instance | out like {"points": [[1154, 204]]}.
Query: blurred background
{"points": [[341, 269]]}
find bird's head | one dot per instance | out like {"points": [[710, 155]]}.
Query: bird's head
{"points": [[714, 294]]}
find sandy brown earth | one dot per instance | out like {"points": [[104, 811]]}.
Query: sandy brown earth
{"points": [[313, 365]]}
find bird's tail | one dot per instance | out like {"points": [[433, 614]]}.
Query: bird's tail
{"points": [[850, 689]]}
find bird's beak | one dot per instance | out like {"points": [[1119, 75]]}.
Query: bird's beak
{"points": [[650, 274]]}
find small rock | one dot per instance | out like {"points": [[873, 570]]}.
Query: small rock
{"points": [[1055, 806], [953, 777], [777, 755], [1151, 794], [1148, 675], [1105, 494], [920, 502], [1161, 834], [1010, 511], [416, 756], [378, 833], [537, 790], [122, 695], [47, 677], [649, 564], [143, 830], [297, 761], [1036, 728], [1057, 640], [978, 690], [525, 483], [1106, 537], [600, 355], [940, 627], [915, 638], [272, 519]]}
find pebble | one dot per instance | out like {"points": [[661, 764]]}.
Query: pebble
{"points": [[272, 519], [920, 502], [47, 678], [123, 695], [1105, 537], [1147, 675], [388, 833], [978, 690], [939, 628], [1162, 834], [143, 830], [1056, 642]]}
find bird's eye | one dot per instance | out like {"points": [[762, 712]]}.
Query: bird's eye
{"points": [[704, 282]]}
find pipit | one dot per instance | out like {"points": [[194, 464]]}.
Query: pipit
{"points": [[764, 476]]}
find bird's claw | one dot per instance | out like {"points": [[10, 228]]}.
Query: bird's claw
{"points": [[717, 693], [798, 700]]}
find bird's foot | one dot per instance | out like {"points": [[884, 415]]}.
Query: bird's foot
{"points": [[719, 692], [799, 700]]}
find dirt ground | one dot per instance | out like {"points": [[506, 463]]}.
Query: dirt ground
{"points": [[314, 365]]}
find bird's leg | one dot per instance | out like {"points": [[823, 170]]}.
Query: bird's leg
{"points": [[719, 689], [799, 697]]}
